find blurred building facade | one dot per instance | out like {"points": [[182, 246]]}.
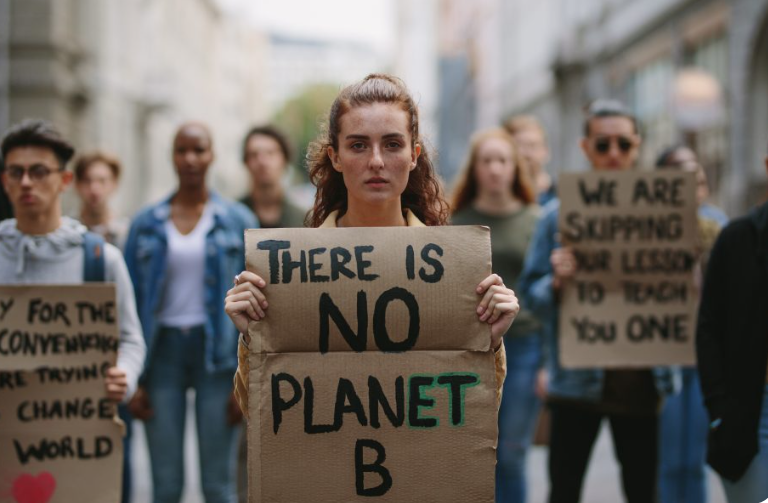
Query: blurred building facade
{"points": [[448, 54], [552, 57], [294, 64], [123, 75], [559, 55]]}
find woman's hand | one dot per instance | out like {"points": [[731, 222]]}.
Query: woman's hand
{"points": [[498, 307], [140, 406], [245, 301], [234, 414], [563, 265]]}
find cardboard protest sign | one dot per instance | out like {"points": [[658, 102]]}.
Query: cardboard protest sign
{"points": [[59, 439], [371, 376], [632, 302]]}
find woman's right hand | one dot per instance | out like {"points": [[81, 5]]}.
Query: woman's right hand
{"points": [[245, 301], [139, 406]]}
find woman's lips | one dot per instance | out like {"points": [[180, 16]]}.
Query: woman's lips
{"points": [[376, 181]]}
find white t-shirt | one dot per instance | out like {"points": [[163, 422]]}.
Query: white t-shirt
{"points": [[183, 303]]}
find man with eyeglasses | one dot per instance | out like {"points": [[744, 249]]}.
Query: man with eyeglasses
{"points": [[42, 246], [580, 399]]}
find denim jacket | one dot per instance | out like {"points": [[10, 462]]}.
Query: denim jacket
{"points": [[535, 286], [146, 255]]}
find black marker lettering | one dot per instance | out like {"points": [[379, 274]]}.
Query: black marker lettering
{"points": [[376, 467], [437, 266], [328, 309], [274, 263]]}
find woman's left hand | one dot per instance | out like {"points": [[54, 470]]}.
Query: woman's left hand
{"points": [[498, 307]]}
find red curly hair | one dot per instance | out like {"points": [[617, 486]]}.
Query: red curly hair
{"points": [[423, 194]]}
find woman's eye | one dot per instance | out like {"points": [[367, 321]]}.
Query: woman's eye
{"points": [[357, 145], [393, 144]]}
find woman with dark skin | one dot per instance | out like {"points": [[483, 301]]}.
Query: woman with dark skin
{"points": [[371, 169], [181, 254]]}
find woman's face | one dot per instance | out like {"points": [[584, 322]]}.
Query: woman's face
{"points": [[192, 155], [495, 168], [375, 156]]}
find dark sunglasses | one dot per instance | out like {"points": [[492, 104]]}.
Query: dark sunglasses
{"points": [[603, 145]]}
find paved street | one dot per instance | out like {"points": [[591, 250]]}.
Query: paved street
{"points": [[602, 485]]}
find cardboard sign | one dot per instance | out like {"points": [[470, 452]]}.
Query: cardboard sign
{"points": [[372, 378], [59, 439], [632, 302]]}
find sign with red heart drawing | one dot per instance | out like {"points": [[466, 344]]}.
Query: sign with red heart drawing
{"points": [[60, 441]]}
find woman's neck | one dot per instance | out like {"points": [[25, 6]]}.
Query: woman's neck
{"points": [[497, 203], [191, 196], [364, 215]]}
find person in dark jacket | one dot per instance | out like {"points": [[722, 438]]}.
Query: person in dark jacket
{"points": [[732, 352]]}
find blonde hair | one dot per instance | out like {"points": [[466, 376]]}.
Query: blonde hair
{"points": [[466, 186]]}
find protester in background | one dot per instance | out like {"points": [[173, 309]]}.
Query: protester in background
{"points": [[531, 140], [494, 189], [40, 246], [266, 154], [97, 175], [732, 352], [680, 156], [580, 399], [684, 425], [371, 169], [182, 254]]}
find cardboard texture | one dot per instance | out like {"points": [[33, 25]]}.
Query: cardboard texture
{"points": [[60, 441], [401, 406], [632, 301]]}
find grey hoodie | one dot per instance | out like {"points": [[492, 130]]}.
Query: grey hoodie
{"points": [[57, 258]]}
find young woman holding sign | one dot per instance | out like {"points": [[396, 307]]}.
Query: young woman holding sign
{"points": [[371, 169], [494, 189]]}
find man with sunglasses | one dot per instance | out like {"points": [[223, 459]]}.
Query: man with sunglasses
{"points": [[580, 399], [42, 246]]}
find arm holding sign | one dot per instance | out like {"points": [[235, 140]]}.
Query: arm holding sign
{"points": [[536, 279], [121, 380], [246, 302]]}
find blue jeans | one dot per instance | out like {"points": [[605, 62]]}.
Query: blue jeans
{"points": [[122, 411], [753, 485], [517, 417], [178, 364], [683, 448]]}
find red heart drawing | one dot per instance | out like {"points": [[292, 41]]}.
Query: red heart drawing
{"points": [[29, 489]]}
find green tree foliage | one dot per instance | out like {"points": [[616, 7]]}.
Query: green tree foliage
{"points": [[301, 117]]}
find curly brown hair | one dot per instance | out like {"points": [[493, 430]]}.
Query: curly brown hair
{"points": [[423, 194], [466, 186]]}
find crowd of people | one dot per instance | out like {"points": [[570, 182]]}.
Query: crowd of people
{"points": [[183, 324]]}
